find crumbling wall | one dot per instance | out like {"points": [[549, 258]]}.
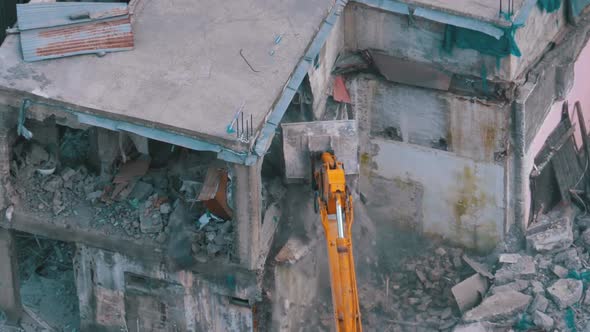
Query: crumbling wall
{"points": [[571, 87], [117, 293], [415, 39], [421, 40], [443, 173]]}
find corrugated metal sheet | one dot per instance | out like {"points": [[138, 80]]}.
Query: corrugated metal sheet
{"points": [[51, 30]]}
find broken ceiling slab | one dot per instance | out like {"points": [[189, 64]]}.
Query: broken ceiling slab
{"points": [[195, 87], [302, 139], [60, 29], [410, 72]]}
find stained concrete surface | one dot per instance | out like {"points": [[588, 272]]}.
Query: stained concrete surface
{"points": [[186, 71]]}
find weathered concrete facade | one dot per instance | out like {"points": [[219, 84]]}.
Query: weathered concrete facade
{"points": [[445, 162]]}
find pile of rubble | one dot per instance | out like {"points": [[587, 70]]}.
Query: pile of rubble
{"points": [[136, 201], [542, 287], [419, 293]]}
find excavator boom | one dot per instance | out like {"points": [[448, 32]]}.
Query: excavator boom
{"points": [[334, 204]]}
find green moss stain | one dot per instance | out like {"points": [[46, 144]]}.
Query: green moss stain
{"points": [[489, 141], [469, 201]]}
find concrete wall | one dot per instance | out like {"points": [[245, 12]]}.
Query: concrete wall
{"points": [[473, 128], [421, 40], [533, 39], [320, 77], [116, 293], [436, 192], [458, 194]]}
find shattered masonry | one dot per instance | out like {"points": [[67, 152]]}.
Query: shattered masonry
{"points": [[164, 187]]}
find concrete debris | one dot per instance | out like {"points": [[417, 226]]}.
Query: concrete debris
{"points": [[569, 259], [540, 303], [518, 285], [293, 251], [587, 297], [470, 291], [524, 268], [551, 236], [560, 271], [509, 258], [566, 292], [165, 208], [478, 267], [543, 321], [150, 218], [537, 287], [474, 327], [499, 306], [586, 238]]}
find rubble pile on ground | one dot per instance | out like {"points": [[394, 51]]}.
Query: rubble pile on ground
{"points": [[421, 290], [540, 287], [215, 238]]}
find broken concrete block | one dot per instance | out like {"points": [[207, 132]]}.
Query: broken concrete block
{"points": [[524, 268], [478, 267], [542, 320], [587, 297], [537, 287], [569, 259], [293, 251], [499, 306], [509, 258], [474, 327], [540, 303], [560, 271], [555, 236], [468, 293], [165, 208], [566, 292], [518, 285]]}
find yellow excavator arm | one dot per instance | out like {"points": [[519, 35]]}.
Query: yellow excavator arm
{"points": [[334, 204]]}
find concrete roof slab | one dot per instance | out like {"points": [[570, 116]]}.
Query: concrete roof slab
{"points": [[484, 10], [186, 72]]}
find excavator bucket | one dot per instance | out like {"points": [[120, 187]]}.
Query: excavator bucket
{"points": [[303, 140]]}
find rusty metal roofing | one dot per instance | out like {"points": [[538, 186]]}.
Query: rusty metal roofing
{"points": [[55, 30]]}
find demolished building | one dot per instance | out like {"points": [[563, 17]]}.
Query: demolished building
{"points": [[450, 104]]}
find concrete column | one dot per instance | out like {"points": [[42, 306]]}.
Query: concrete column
{"points": [[10, 301], [247, 194], [104, 147], [519, 151], [8, 121]]}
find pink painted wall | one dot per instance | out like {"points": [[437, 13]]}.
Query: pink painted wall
{"points": [[580, 92]]}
